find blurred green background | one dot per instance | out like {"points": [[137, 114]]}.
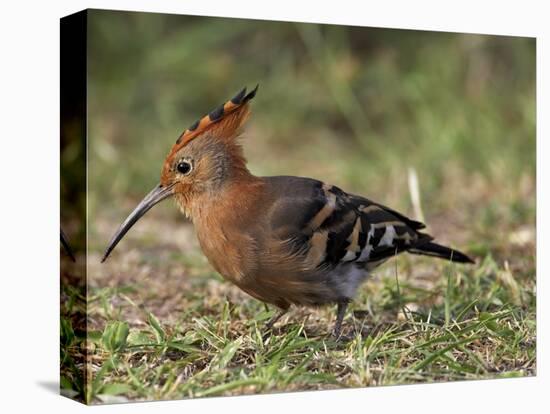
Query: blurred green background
{"points": [[353, 106]]}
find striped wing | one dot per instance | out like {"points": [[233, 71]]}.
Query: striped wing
{"points": [[331, 227]]}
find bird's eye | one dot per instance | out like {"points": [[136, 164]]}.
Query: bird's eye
{"points": [[184, 167]]}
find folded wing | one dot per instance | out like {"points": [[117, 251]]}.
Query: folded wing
{"points": [[330, 227]]}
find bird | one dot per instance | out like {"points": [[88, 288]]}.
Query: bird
{"points": [[284, 240]]}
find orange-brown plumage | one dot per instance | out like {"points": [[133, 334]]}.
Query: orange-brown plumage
{"points": [[283, 240]]}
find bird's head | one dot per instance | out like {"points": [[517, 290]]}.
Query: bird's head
{"points": [[204, 158]]}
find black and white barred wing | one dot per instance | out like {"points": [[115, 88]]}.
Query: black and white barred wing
{"points": [[365, 232], [331, 227]]}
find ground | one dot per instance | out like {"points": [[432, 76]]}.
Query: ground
{"points": [[164, 325]]}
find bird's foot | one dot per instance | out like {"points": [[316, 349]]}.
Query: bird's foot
{"points": [[337, 330], [268, 328]]}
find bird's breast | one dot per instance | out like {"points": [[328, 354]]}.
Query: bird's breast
{"points": [[227, 228], [229, 251]]}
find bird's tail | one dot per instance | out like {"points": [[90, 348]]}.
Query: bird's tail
{"points": [[442, 252]]}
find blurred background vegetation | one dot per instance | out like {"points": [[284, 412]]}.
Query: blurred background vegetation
{"points": [[353, 106]]}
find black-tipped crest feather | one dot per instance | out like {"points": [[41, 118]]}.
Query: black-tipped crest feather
{"points": [[217, 115]]}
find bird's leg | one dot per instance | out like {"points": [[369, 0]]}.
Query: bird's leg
{"points": [[342, 306], [275, 318], [271, 322]]}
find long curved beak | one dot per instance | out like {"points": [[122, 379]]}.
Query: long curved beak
{"points": [[156, 195]]}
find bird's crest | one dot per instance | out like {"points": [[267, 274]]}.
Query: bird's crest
{"points": [[224, 120]]}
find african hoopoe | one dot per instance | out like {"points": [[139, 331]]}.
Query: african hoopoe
{"points": [[283, 240]]}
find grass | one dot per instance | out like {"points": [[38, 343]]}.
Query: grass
{"points": [[357, 108], [164, 337]]}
